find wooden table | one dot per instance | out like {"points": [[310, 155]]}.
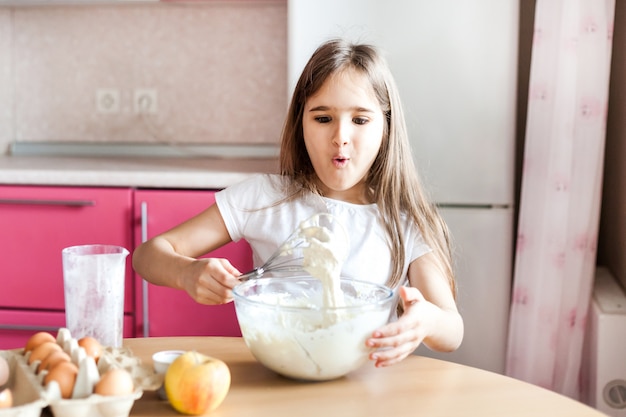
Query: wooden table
{"points": [[418, 386]]}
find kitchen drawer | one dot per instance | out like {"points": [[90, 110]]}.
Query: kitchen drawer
{"points": [[16, 326], [38, 222]]}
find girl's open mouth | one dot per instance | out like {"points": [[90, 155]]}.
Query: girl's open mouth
{"points": [[340, 161]]}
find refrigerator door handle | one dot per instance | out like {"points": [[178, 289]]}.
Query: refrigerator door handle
{"points": [[472, 206]]}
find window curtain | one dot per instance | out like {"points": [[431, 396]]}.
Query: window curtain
{"points": [[561, 191]]}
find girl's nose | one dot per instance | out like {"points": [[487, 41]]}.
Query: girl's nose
{"points": [[342, 134]]}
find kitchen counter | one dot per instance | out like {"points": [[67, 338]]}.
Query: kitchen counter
{"points": [[133, 171]]}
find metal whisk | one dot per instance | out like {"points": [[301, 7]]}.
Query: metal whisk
{"points": [[288, 257]]}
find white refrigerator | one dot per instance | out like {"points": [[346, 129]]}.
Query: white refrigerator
{"points": [[455, 62]]}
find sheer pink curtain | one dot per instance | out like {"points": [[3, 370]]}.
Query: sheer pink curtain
{"points": [[561, 188]]}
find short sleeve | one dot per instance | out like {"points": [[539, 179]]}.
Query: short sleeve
{"points": [[420, 247]]}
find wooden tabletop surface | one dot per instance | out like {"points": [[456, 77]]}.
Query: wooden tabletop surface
{"points": [[418, 386]]}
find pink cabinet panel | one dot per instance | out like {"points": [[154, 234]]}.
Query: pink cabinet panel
{"points": [[162, 311], [16, 326], [38, 222]]}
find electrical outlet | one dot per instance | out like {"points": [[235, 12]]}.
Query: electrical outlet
{"points": [[145, 101], [107, 101]]}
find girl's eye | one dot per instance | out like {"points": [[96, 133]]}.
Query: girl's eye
{"points": [[360, 120], [322, 119]]}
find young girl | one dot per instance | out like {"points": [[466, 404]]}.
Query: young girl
{"points": [[344, 150]]}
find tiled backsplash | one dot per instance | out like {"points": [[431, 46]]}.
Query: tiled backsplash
{"points": [[218, 68]]}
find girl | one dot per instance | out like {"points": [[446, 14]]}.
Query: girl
{"points": [[344, 150]]}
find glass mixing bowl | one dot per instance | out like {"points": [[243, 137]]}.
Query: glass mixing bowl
{"points": [[287, 328]]}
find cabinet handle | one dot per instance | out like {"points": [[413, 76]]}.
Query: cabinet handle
{"points": [[37, 202], [26, 327], [144, 284]]}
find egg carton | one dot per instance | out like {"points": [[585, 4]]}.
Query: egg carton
{"points": [[30, 396], [27, 392]]}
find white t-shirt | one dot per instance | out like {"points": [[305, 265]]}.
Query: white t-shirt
{"points": [[249, 213]]}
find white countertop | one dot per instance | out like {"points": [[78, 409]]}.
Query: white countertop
{"points": [[148, 172]]}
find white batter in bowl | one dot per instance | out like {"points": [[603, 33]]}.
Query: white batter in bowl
{"points": [[289, 329]]}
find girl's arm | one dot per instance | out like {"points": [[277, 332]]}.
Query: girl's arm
{"points": [[430, 316], [170, 259]]}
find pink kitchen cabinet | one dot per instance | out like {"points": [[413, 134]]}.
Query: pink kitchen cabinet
{"points": [[19, 325], [36, 224], [163, 311]]}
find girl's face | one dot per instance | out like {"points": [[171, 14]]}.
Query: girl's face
{"points": [[343, 131]]}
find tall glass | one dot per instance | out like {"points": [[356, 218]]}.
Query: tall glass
{"points": [[93, 278]]}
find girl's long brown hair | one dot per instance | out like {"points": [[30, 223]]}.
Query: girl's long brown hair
{"points": [[392, 180]]}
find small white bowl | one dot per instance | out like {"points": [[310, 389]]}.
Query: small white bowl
{"points": [[164, 358]]}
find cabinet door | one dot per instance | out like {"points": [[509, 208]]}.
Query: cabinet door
{"points": [[16, 326], [38, 222], [163, 311]]}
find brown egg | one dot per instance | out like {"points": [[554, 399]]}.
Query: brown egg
{"points": [[43, 350], [92, 347], [64, 373], [6, 398], [37, 339], [53, 359], [115, 382]]}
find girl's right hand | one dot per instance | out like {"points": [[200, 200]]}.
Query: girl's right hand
{"points": [[210, 280]]}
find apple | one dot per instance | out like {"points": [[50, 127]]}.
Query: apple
{"points": [[196, 383]]}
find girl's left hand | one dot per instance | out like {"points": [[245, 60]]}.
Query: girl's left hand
{"points": [[395, 341]]}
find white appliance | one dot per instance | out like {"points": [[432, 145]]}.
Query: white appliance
{"points": [[604, 359], [455, 63]]}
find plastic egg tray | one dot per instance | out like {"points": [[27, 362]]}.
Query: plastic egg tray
{"points": [[30, 397]]}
